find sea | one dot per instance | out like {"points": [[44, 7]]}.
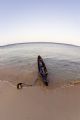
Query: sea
{"points": [[18, 63]]}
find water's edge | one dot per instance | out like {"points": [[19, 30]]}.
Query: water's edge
{"points": [[18, 63]]}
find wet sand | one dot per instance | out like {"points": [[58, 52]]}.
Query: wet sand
{"points": [[39, 103]]}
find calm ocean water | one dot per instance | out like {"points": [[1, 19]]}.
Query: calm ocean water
{"points": [[18, 63]]}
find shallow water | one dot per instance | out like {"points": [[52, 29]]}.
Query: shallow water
{"points": [[18, 63]]}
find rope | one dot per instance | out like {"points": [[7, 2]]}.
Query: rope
{"points": [[20, 85]]}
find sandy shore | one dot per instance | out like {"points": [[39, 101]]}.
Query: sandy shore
{"points": [[38, 103]]}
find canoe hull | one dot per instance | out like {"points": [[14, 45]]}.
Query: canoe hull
{"points": [[40, 67]]}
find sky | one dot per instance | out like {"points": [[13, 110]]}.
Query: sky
{"points": [[40, 21]]}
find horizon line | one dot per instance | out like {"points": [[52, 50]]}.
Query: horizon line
{"points": [[12, 44]]}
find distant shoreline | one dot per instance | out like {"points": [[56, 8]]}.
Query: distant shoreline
{"points": [[13, 44]]}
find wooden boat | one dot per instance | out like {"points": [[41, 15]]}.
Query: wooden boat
{"points": [[42, 70]]}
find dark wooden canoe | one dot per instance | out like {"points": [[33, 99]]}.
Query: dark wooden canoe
{"points": [[42, 70]]}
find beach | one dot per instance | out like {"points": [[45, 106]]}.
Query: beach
{"points": [[37, 103], [59, 101]]}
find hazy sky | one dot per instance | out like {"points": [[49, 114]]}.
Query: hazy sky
{"points": [[40, 20]]}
